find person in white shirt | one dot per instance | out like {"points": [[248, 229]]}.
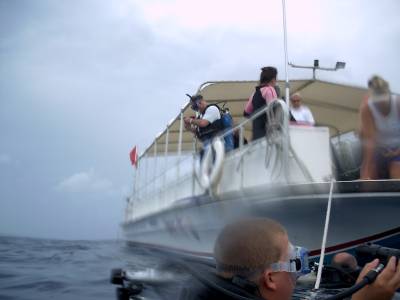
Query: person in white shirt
{"points": [[301, 113], [208, 123]]}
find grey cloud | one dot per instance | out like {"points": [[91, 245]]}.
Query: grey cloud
{"points": [[5, 159], [85, 181], [80, 84]]}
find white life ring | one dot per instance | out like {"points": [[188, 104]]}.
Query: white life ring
{"points": [[211, 169]]}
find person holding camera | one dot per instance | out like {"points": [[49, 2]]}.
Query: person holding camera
{"points": [[208, 124]]}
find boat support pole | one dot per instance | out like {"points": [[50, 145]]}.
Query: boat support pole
{"points": [[327, 219], [286, 52]]}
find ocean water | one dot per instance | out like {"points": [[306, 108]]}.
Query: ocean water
{"points": [[55, 269]]}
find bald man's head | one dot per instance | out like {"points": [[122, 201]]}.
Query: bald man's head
{"points": [[249, 245]]}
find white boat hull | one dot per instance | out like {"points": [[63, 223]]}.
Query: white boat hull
{"points": [[192, 224]]}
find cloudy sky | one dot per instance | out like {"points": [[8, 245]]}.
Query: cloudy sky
{"points": [[82, 82]]}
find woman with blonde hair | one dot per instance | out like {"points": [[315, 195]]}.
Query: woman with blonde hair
{"points": [[380, 131]]}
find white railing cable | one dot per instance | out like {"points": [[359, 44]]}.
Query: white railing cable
{"points": [[323, 246]]}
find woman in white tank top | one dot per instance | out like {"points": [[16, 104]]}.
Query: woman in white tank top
{"points": [[380, 131]]}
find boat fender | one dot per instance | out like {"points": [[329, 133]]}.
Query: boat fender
{"points": [[211, 166]]}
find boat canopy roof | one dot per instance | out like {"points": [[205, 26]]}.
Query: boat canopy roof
{"points": [[332, 104]]}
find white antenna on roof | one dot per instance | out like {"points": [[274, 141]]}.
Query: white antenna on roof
{"points": [[339, 65]]}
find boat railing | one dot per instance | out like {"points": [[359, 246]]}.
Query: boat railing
{"points": [[178, 181], [270, 110], [277, 129], [158, 188]]}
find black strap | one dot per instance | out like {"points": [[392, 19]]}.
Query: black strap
{"points": [[237, 288]]}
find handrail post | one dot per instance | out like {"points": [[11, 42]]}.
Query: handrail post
{"points": [[241, 142], [241, 137], [155, 169], [138, 187], [145, 176], [193, 167], [135, 183], [179, 148], [166, 160]]}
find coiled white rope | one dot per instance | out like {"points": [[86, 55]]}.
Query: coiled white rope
{"points": [[277, 138]]}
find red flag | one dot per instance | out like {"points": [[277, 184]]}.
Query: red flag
{"points": [[134, 157]]}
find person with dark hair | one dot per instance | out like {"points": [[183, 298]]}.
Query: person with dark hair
{"points": [[209, 122], [380, 131], [265, 92]]}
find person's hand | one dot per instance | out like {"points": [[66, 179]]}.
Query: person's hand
{"points": [[384, 286]]}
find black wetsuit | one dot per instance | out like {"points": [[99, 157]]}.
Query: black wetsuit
{"points": [[194, 290], [205, 284]]}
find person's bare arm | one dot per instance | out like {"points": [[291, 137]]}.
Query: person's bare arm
{"points": [[188, 124], [200, 122]]}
